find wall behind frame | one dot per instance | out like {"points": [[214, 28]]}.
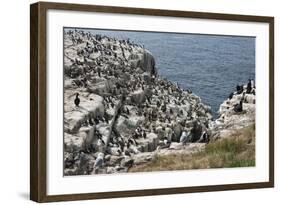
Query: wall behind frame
{"points": [[14, 103]]}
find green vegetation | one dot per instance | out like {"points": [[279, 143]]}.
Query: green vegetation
{"points": [[236, 150]]}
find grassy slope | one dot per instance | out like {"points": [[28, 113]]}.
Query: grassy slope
{"points": [[238, 150]]}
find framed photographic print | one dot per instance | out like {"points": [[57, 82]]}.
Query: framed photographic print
{"points": [[134, 102]]}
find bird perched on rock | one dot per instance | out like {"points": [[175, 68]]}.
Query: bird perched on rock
{"points": [[181, 112], [148, 100], [204, 137], [119, 152], [132, 141], [243, 97], [171, 112], [121, 143], [143, 134], [101, 119], [163, 107], [239, 89], [137, 133], [100, 141], [96, 120], [91, 122], [99, 161], [77, 100], [166, 141], [249, 86], [97, 133], [112, 105], [230, 96], [127, 111], [106, 119], [184, 137], [238, 107], [254, 92], [158, 103], [127, 152]]}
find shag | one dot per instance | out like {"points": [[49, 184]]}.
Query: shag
{"points": [[239, 89], [230, 96], [77, 100], [249, 86], [239, 107]]}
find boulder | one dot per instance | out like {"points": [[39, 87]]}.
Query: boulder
{"points": [[100, 88], [160, 132], [250, 99], [114, 160], [74, 143], [110, 170], [127, 162], [142, 158], [149, 144], [146, 77], [173, 107], [145, 61], [138, 97], [127, 125]]}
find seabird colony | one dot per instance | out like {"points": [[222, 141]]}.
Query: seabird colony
{"points": [[116, 106]]}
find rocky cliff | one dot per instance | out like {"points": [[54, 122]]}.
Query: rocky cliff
{"points": [[127, 114], [230, 120]]}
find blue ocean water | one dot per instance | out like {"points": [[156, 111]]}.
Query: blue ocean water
{"points": [[211, 66]]}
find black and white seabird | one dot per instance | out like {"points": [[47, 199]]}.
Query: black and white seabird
{"points": [[77, 100], [230, 96], [143, 134], [239, 89], [204, 137], [101, 140], [96, 120], [249, 86], [91, 122], [238, 107], [127, 111]]}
